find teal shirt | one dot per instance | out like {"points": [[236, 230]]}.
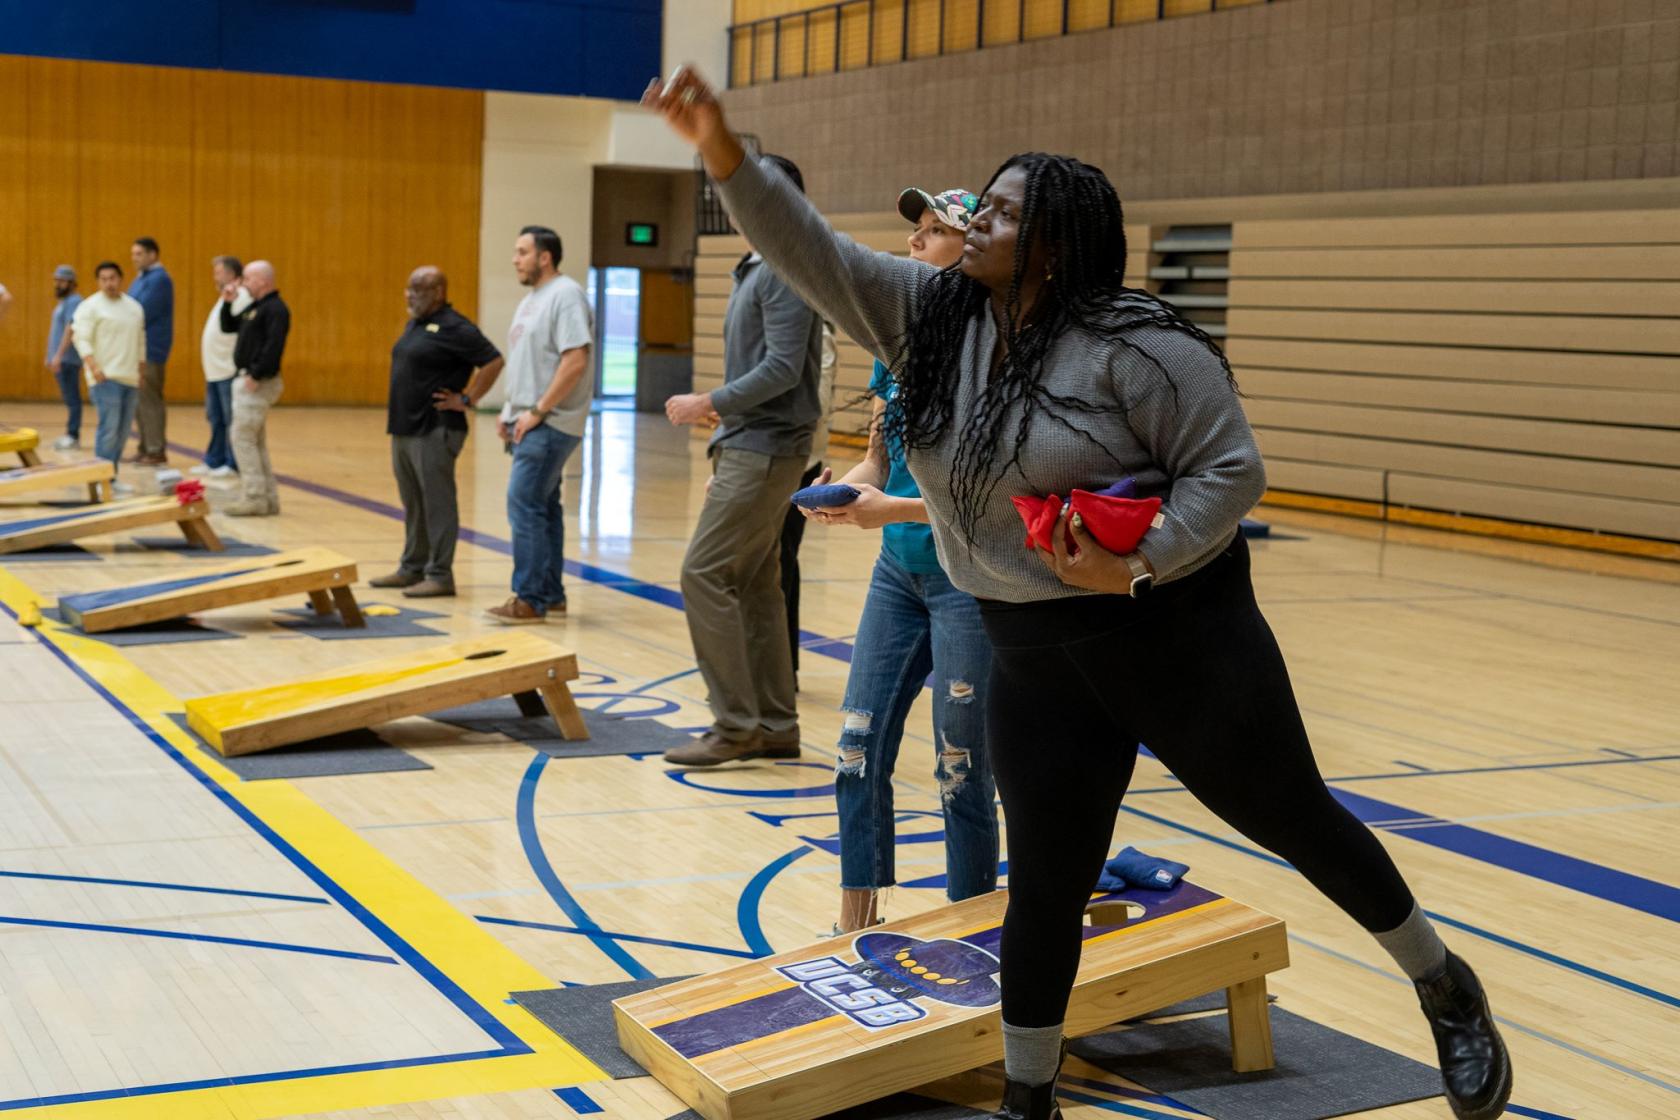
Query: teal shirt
{"points": [[908, 542]]}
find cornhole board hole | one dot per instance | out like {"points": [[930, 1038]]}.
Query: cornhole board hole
{"points": [[533, 670], [62, 526], [95, 474], [850, 1020], [21, 442], [322, 574]]}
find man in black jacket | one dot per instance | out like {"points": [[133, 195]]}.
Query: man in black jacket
{"points": [[262, 331]]}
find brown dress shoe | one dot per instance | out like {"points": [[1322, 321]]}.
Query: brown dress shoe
{"points": [[712, 748], [514, 612], [784, 744], [398, 578], [430, 589]]}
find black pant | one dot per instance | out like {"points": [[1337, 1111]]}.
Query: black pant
{"points": [[1192, 671], [793, 531]]}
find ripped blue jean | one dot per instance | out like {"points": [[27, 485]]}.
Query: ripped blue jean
{"points": [[913, 625]]}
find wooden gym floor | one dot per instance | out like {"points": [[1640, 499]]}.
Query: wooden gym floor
{"points": [[1505, 715]]}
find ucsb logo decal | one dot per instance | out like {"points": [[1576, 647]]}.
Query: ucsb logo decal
{"points": [[894, 971]]}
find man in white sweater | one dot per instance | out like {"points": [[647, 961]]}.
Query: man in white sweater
{"points": [[216, 354], [110, 334]]}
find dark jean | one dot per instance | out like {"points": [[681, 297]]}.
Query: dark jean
{"points": [[218, 410], [1193, 671], [69, 378], [913, 625], [536, 516], [114, 402]]}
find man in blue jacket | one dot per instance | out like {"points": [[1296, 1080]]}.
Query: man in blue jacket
{"points": [[155, 291]]}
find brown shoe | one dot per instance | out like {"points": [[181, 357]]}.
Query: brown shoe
{"points": [[430, 589], [784, 744], [514, 612], [712, 748], [151, 460], [398, 578]]}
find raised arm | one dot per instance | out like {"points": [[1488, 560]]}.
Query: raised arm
{"points": [[868, 295]]}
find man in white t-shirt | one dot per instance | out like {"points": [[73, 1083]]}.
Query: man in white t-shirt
{"points": [[215, 351], [109, 331], [548, 398]]}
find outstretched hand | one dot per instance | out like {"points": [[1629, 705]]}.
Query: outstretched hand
{"points": [[691, 109]]}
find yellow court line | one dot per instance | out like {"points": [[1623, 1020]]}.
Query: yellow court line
{"points": [[462, 950]]}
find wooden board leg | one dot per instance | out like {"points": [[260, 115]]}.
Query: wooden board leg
{"points": [[321, 601], [347, 608], [1251, 1026], [99, 491], [530, 703], [30, 458], [198, 531], [565, 711]]}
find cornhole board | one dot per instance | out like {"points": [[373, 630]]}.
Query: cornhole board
{"points": [[850, 1020], [21, 442], [532, 669], [96, 474], [322, 574], [110, 517]]}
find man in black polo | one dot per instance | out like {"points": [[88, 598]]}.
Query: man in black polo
{"points": [[439, 365]]}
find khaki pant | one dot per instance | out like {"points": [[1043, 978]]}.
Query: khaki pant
{"points": [[249, 435], [732, 593], [150, 417]]}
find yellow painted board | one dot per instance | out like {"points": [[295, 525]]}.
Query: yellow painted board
{"points": [[249, 720], [53, 476], [58, 527], [223, 585]]}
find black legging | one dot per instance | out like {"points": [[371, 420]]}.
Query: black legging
{"points": [[1191, 670]]}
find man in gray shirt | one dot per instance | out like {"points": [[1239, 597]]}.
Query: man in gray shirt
{"points": [[768, 410]]}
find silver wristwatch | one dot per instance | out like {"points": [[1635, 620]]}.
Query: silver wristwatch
{"points": [[1142, 578]]}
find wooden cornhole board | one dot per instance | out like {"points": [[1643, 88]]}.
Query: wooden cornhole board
{"points": [[321, 573], [850, 1020], [533, 670], [21, 442], [59, 526], [96, 474]]}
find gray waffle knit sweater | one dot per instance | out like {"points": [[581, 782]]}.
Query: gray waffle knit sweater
{"points": [[1192, 448]]}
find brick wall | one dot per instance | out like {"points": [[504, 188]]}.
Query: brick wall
{"points": [[1294, 96]]}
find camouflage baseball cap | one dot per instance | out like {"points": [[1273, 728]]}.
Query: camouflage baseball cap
{"points": [[953, 207]]}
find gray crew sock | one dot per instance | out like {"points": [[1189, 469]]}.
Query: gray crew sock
{"points": [[1032, 1055], [1414, 945]]}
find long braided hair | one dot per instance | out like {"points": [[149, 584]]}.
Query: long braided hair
{"points": [[1072, 210]]}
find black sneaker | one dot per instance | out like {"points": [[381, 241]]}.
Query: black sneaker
{"points": [[1475, 1066]]}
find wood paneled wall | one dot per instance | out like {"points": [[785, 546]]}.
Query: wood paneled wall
{"points": [[345, 186], [1515, 366]]}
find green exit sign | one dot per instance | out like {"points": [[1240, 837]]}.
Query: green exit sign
{"points": [[644, 234]]}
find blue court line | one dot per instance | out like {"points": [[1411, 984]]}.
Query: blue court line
{"points": [[716, 950], [1114, 1106], [525, 815], [1633, 891], [1509, 943], [579, 1101], [243, 1079], [1622, 761], [1519, 1110], [160, 886], [1124, 1091], [508, 1043], [176, 935], [746, 908]]}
